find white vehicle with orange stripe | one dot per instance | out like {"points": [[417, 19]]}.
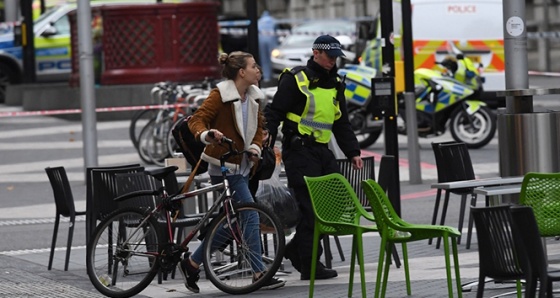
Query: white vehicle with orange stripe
{"points": [[475, 27]]}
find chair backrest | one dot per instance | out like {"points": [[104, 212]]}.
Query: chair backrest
{"points": [[383, 210], [355, 177], [453, 163], [440, 163], [89, 188], [130, 182], [541, 191], [527, 238], [333, 200], [499, 257], [62, 191], [104, 189], [385, 176]]}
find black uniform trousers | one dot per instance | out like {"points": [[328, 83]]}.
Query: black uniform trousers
{"points": [[312, 161]]}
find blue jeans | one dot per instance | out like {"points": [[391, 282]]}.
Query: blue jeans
{"points": [[251, 228]]}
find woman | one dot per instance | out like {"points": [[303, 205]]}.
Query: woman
{"points": [[231, 110]]}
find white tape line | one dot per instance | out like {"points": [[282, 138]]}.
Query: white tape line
{"points": [[98, 110]]}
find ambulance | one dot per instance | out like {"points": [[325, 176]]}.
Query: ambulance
{"points": [[475, 27]]}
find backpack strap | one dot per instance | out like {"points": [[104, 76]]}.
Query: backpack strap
{"points": [[189, 181]]}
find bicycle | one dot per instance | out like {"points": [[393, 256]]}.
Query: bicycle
{"points": [[153, 142], [130, 246]]}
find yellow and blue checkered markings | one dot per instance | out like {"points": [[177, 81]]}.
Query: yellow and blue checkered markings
{"points": [[453, 91], [358, 82]]}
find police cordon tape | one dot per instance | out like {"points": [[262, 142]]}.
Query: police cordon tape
{"points": [[283, 32], [286, 32], [98, 110]]}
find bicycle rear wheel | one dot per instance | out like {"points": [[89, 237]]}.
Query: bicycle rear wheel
{"points": [[123, 254], [230, 264], [138, 121], [157, 147]]}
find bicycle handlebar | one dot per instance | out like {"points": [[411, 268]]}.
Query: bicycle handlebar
{"points": [[232, 151], [224, 138]]}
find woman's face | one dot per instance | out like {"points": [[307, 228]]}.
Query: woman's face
{"points": [[251, 73]]}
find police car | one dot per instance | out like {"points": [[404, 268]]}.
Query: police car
{"points": [[52, 45]]}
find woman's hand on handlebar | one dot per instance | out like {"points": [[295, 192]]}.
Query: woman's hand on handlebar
{"points": [[217, 137]]}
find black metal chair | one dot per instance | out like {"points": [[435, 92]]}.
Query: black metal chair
{"points": [[356, 177], [529, 242], [453, 163], [101, 189], [499, 256], [64, 201]]}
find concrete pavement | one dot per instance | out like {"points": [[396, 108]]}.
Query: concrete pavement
{"points": [[25, 274]]}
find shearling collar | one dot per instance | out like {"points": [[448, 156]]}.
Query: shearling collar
{"points": [[228, 92]]}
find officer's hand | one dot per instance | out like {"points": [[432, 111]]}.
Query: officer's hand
{"points": [[357, 162]]}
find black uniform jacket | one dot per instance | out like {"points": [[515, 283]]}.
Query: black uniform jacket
{"points": [[289, 98]]}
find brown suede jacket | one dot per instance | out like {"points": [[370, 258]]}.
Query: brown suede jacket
{"points": [[222, 111]]}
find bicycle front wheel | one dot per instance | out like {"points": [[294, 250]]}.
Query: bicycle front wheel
{"points": [[123, 254], [231, 256]]}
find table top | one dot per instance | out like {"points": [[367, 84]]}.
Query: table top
{"points": [[498, 190], [478, 182]]}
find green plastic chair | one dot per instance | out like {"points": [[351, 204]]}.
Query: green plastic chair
{"points": [[338, 211], [541, 191], [393, 229]]}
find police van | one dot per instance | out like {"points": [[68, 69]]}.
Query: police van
{"points": [[475, 27]]}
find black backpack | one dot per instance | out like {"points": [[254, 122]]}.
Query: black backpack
{"points": [[189, 146]]}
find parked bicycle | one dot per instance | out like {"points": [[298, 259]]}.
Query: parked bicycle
{"points": [[150, 131], [130, 246]]}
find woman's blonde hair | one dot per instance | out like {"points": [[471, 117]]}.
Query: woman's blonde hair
{"points": [[232, 63]]}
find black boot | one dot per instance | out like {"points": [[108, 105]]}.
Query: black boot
{"points": [[291, 253], [321, 272]]}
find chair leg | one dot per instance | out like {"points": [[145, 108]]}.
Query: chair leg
{"points": [[448, 265], [443, 215], [327, 251], [362, 265], [469, 232], [480, 289], [436, 209], [457, 269], [386, 270], [53, 244], [314, 254], [406, 267], [339, 247], [382, 249], [396, 257], [462, 216], [354, 254], [69, 244]]}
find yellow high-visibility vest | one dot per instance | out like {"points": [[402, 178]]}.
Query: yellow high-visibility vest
{"points": [[320, 112]]}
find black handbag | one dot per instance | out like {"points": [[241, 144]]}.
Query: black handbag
{"points": [[190, 147], [267, 163]]}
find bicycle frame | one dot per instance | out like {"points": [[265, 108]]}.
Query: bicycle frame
{"points": [[121, 270], [225, 199]]}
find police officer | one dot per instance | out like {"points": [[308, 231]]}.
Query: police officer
{"points": [[310, 101]]}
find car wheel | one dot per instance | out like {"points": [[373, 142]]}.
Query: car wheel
{"points": [[7, 77]]}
